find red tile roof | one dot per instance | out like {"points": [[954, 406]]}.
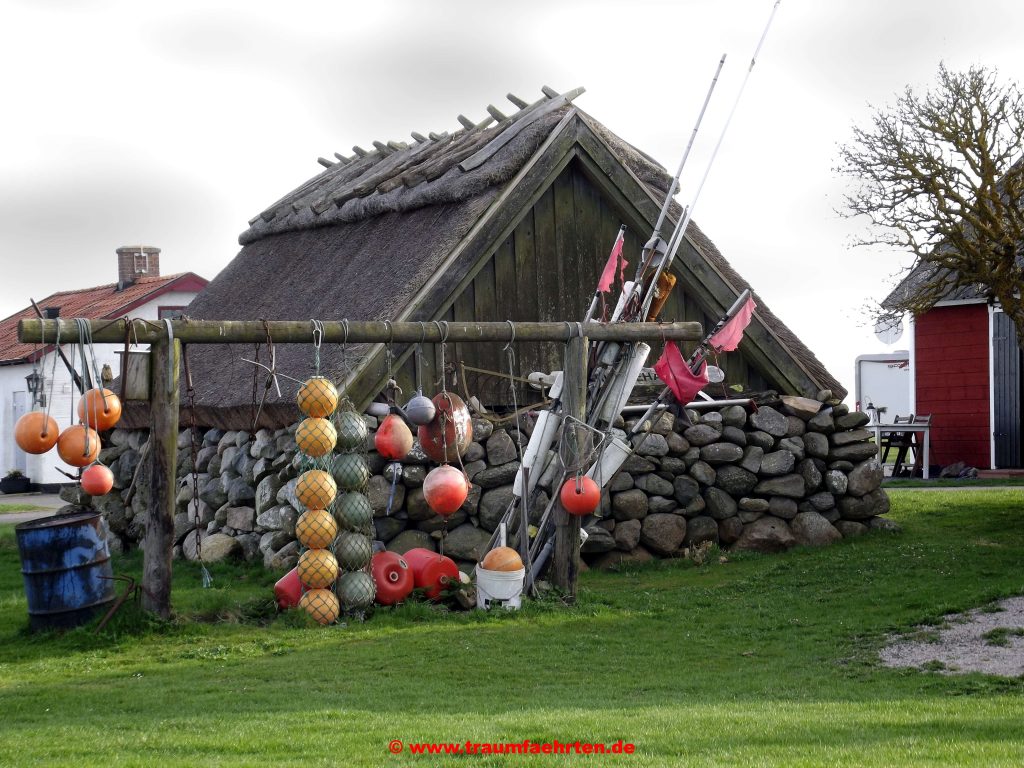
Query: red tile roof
{"points": [[103, 301]]}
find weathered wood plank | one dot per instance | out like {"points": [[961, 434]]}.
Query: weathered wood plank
{"points": [[565, 267], [163, 457], [565, 562], [358, 331]]}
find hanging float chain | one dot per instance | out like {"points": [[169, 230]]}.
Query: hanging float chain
{"points": [[193, 430]]}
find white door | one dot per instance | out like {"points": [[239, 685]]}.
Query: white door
{"points": [[18, 403]]}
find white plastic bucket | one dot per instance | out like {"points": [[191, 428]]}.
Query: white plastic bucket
{"points": [[502, 587]]}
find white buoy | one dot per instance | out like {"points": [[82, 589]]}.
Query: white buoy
{"points": [[540, 441]]}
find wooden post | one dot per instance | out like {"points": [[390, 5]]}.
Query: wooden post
{"points": [[566, 565], [163, 455]]}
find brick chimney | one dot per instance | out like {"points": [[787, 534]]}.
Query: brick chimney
{"points": [[135, 261]]}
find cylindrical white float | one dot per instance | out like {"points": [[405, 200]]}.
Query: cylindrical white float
{"points": [[613, 456], [622, 383], [540, 441]]}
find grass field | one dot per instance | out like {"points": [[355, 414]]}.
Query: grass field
{"points": [[763, 660], [6, 509]]}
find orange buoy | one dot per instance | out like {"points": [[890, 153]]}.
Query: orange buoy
{"points": [[502, 559], [100, 409], [393, 577], [78, 446], [316, 529], [36, 432], [450, 432], [317, 568], [316, 437], [317, 398], [445, 489], [322, 605], [97, 480], [581, 500], [432, 572], [316, 489], [393, 439]]}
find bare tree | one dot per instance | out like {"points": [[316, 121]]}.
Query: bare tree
{"points": [[939, 175]]}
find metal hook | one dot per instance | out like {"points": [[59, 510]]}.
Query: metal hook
{"points": [[508, 347]]}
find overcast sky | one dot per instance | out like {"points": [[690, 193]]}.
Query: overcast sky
{"points": [[173, 124]]}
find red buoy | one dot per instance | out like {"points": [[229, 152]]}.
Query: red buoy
{"points": [[393, 439], [580, 500], [450, 432], [97, 480], [445, 488], [431, 571], [288, 590], [393, 577]]}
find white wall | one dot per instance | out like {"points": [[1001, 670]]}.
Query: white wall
{"points": [[43, 468]]}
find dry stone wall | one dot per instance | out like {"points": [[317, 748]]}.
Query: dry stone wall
{"points": [[798, 472]]}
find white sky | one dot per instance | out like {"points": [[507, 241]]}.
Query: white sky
{"points": [[173, 124]]}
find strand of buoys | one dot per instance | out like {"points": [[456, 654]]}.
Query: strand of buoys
{"points": [[355, 588], [316, 528]]}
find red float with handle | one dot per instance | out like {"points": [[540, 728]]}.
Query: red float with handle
{"points": [[431, 571], [393, 577]]}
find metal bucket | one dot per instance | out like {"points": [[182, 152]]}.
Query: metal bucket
{"points": [[65, 563]]}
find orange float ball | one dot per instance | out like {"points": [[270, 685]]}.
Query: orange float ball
{"points": [[316, 489], [322, 605], [316, 437], [97, 480], [317, 568], [317, 397], [100, 409], [582, 499], [78, 446], [36, 432], [316, 529], [502, 559]]}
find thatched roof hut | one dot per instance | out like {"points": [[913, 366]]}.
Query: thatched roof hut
{"points": [[509, 218]]}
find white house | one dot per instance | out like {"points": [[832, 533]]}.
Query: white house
{"points": [[140, 292]]}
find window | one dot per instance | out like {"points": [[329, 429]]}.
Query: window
{"points": [[169, 313]]}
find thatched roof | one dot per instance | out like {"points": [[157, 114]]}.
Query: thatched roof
{"points": [[372, 234]]}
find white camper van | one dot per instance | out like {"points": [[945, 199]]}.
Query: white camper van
{"points": [[883, 382]]}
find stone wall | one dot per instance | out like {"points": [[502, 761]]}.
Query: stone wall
{"points": [[797, 472]]}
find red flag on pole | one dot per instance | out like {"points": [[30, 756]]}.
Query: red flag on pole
{"points": [[673, 370], [728, 338], [614, 258]]}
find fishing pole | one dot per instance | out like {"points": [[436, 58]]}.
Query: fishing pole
{"points": [[680, 231]]}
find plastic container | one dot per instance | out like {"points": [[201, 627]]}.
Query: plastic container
{"points": [[504, 588], [66, 567]]}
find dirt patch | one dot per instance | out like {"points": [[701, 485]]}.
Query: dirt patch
{"points": [[988, 640]]}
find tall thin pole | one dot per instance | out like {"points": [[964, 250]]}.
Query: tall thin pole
{"points": [[680, 232], [163, 455], [566, 564]]}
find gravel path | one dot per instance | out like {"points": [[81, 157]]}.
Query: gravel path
{"points": [[960, 646]]}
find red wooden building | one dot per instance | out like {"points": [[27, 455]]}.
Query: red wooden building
{"points": [[965, 368]]}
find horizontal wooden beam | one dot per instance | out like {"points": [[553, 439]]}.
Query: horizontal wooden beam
{"points": [[352, 331]]}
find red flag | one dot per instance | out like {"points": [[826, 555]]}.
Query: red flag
{"points": [[728, 338], [673, 370], [614, 258]]}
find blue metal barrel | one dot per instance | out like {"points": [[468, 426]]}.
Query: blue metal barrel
{"points": [[64, 560]]}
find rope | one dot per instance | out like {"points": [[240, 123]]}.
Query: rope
{"points": [[190, 396]]}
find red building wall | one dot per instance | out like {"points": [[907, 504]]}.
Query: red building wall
{"points": [[951, 353]]}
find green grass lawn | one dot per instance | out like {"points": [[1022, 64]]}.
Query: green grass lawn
{"points": [[763, 660], [6, 509]]}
